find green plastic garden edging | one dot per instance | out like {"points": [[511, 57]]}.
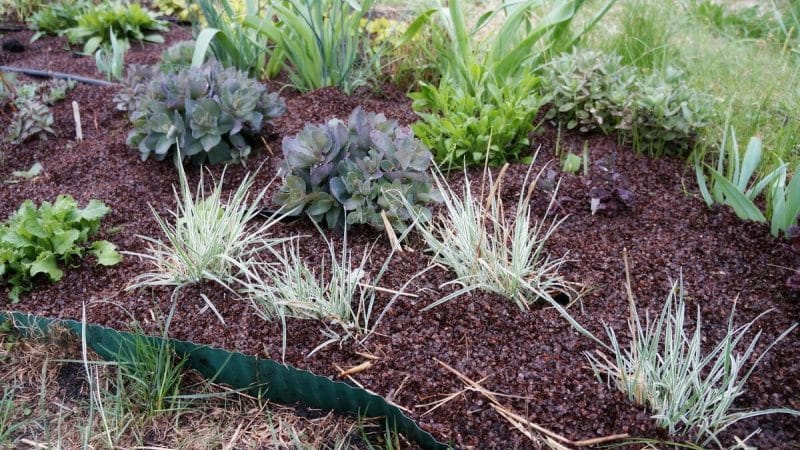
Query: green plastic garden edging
{"points": [[274, 381]]}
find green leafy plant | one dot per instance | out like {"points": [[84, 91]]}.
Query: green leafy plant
{"points": [[587, 90], [666, 369], [21, 9], [35, 240], [232, 42], [177, 57], [57, 18], [666, 114], [367, 171], [128, 21], [660, 113], [321, 39], [29, 102], [490, 252], [730, 184], [110, 59], [207, 239], [204, 111], [484, 104]]}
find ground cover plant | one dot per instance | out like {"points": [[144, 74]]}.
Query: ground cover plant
{"points": [[462, 313]]}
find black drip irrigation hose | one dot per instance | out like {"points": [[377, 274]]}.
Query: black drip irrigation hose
{"points": [[11, 28], [60, 75]]}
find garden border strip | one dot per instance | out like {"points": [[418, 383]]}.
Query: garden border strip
{"points": [[286, 384], [61, 75]]}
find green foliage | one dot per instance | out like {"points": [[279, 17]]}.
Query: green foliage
{"points": [[57, 18], [731, 184], [134, 87], [660, 113], [588, 90], [35, 240], [232, 43], [666, 114], [128, 21], [462, 128], [487, 93], [110, 59], [572, 163], [181, 9], [322, 39], [204, 111], [748, 22], [356, 172], [177, 57], [21, 10], [29, 103]]}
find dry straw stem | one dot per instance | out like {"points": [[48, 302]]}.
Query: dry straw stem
{"points": [[521, 423]]}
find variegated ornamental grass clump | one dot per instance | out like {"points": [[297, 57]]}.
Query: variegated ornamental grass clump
{"points": [[370, 170], [204, 111]]}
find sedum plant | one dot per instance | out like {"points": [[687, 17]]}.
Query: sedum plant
{"points": [[493, 253], [369, 170], [128, 21], [177, 57], [204, 111], [34, 240], [665, 368]]}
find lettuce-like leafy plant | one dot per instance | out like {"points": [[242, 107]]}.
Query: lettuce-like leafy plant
{"points": [[57, 18], [356, 173], [35, 240], [204, 111], [128, 21]]}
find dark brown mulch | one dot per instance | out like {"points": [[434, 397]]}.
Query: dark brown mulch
{"points": [[532, 354]]}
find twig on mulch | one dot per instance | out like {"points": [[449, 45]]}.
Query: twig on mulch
{"points": [[553, 440]]}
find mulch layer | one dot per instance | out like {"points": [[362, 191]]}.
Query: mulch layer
{"points": [[534, 356]]}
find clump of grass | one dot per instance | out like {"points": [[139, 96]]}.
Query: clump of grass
{"points": [[207, 239], [666, 369], [490, 252], [341, 293]]}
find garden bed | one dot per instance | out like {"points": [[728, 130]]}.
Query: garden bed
{"points": [[533, 355]]}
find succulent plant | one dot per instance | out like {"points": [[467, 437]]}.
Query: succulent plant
{"points": [[204, 111], [351, 173], [57, 91], [134, 86], [31, 118], [177, 57]]}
